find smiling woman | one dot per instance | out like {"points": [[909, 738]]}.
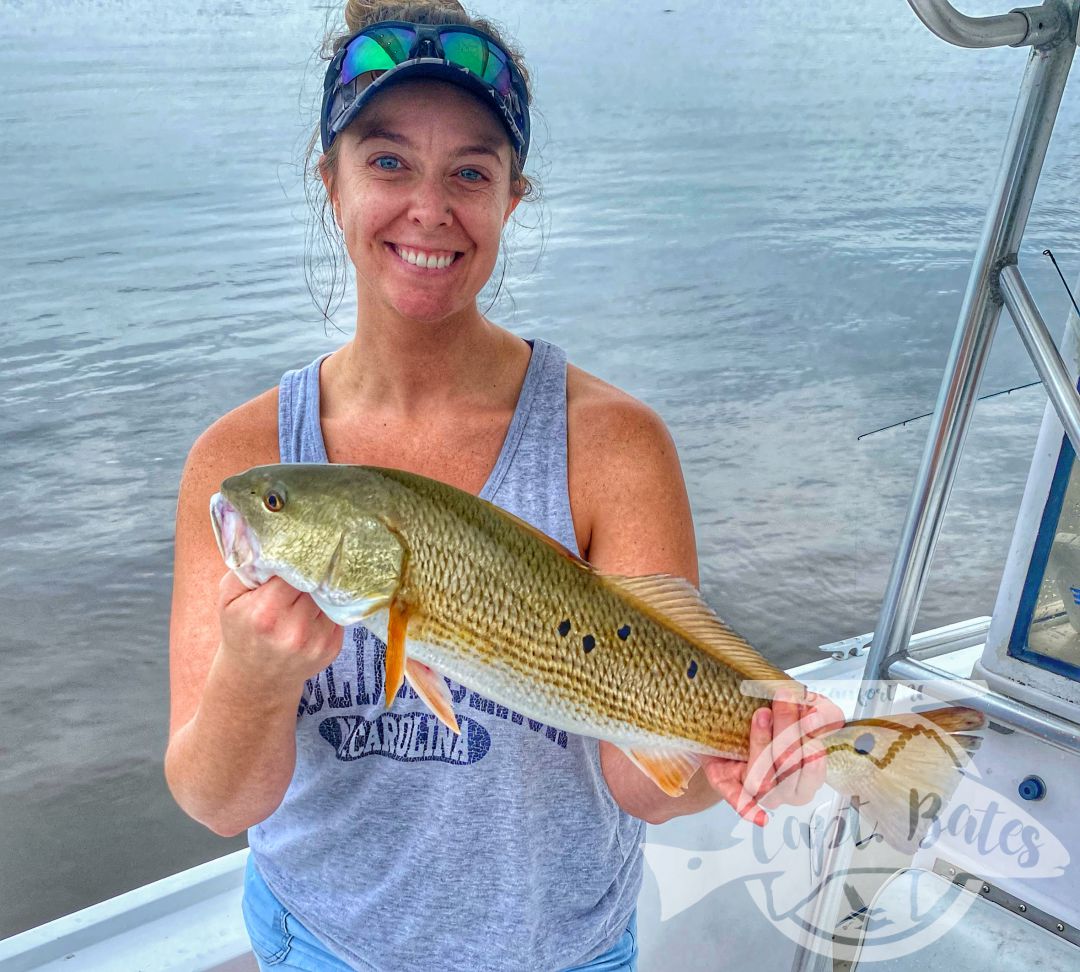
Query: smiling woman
{"points": [[378, 839]]}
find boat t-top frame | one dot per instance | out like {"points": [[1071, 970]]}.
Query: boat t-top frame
{"points": [[1050, 31]]}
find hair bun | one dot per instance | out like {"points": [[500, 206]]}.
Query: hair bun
{"points": [[360, 13]]}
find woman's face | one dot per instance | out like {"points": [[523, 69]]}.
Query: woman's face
{"points": [[422, 192]]}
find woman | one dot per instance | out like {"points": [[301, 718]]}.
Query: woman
{"points": [[375, 843]]}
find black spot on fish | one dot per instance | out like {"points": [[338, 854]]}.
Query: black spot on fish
{"points": [[588, 642], [692, 671], [564, 628], [864, 744], [624, 632]]}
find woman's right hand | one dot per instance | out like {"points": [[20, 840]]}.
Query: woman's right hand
{"points": [[275, 633]]}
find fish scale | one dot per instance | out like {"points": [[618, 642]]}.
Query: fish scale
{"points": [[523, 585]]}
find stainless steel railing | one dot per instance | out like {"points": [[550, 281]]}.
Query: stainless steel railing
{"points": [[1059, 385], [1050, 30], [1021, 27]]}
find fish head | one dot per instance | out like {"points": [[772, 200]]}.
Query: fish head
{"points": [[324, 529]]}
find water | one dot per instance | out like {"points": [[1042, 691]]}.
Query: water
{"points": [[760, 222]]}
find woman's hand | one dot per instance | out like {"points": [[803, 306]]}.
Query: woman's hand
{"points": [[786, 764], [276, 633]]}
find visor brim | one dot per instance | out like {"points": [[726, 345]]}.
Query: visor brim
{"points": [[439, 70]]}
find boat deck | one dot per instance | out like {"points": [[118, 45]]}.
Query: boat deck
{"points": [[701, 906]]}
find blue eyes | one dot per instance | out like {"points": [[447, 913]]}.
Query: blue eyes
{"points": [[389, 163]]}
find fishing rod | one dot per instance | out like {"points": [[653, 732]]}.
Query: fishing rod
{"points": [[914, 418], [1050, 253]]}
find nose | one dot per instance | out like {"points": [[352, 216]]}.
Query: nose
{"points": [[430, 205]]}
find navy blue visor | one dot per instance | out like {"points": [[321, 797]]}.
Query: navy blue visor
{"points": [[393, 50]]}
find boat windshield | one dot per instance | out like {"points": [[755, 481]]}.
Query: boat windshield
{"points": [[1047, 632]]}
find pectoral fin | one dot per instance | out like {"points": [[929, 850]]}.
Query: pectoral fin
{"points": [[669, 769], [431, 687], [362, 572], [396, 629]]}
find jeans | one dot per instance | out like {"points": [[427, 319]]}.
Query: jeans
{"points": [[280, 941]]}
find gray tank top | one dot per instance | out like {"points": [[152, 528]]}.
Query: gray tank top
{"points": [[407, 848]]}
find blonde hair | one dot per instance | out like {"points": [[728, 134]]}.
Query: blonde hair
{"points": [[358, 15]]}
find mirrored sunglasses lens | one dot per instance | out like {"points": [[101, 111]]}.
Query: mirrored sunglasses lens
{"points": [[478, 56], [378, 50]]}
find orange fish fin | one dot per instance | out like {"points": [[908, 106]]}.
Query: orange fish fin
{"points": [[396, 628], [677, 603], [669, 769], [431, 687]]}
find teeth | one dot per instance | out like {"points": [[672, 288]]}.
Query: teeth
{"points": [[429, 261]]}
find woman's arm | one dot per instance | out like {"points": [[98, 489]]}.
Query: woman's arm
{"points": [[627, 488], [238, 658]]}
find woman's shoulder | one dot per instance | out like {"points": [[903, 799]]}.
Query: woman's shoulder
{"points": [[609, 417], [625, 480]]}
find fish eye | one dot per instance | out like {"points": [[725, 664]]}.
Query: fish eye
{"points": [[864, 744], [274, 500]]}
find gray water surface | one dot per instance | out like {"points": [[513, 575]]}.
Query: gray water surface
{"points": [[761, 223]]}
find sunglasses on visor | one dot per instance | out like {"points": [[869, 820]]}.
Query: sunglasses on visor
{"points": [[460, 54]]}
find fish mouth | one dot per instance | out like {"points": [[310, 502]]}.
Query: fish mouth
{"points": [[238, 544]]}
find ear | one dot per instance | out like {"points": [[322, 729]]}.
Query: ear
{"points": [[328, 185], [511, 206], [324, 174]]}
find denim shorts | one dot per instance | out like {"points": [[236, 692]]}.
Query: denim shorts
{"points": [[279, 941]]}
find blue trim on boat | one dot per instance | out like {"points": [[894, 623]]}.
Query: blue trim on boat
{"points": [[1018, 643]]}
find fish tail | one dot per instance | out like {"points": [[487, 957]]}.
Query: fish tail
{"points": [[901, 770]]}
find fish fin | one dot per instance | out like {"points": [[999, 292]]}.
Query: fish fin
{"points": [[955, 718], [333, 593], [396, 627], [669, 769], [334, 565], [431, 687], [678, 604], [901, 770], [968, 743]]}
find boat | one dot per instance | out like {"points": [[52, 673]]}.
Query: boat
{"points": [[998, 884]]}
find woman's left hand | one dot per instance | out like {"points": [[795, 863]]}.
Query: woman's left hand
{"points": [[786, 763]]}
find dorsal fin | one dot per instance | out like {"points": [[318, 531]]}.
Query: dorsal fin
{"points": [[677, 603]]}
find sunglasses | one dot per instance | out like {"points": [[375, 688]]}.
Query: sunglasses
{"points": [[463, 55]]}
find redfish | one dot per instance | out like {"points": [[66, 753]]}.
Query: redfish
{"points": [[457, 587]]}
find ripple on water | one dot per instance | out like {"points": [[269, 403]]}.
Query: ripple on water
{"points": [[773, 258]]}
